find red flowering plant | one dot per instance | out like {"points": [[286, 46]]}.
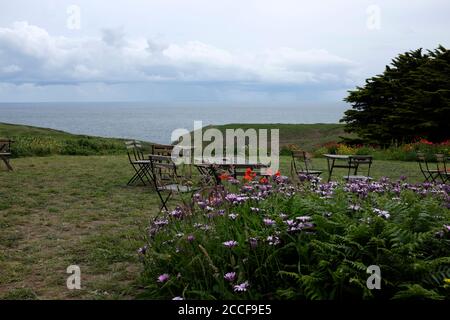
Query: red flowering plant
{"points": [[249, 175], [431, 148]]}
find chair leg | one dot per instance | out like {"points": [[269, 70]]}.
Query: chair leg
{"points": [[8, 165], [138, 175]]}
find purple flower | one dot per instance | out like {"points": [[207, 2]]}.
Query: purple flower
{"points": [[230, 243], [241, 287], [190, 238], [233, 216], [354, 207], [304, 218], [382, 213], [230, 276], [273, 240], [253, 242], [177, 298], [447, 228], [177, 213], [268, 222], [163, 278], [283, 215], [143, 250], [161, 222]]}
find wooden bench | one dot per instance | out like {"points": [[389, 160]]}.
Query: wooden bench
{"points": [[5, 152]]}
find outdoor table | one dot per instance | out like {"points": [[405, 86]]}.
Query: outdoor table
{"points": [[331, 159], [213, 164], [5, 152]]}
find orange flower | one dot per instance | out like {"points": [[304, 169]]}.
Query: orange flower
{"points": [[224, 176], [278, 173], [249, 175], [263, 180]]}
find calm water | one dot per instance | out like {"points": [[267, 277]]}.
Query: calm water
{"points": [[148, 122]]}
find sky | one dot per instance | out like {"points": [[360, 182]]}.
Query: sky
{"points": [[258, 52]]}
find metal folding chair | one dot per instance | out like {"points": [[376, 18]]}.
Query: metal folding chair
{"points": [[165, 179], [354, 162], [301, 164], [140, 165], [430, 175], [441, 163]]}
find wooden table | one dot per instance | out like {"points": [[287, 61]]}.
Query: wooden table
{"points": [[5, 152], [331, 159]]}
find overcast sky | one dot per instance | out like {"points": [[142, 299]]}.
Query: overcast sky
{"points": [[230, 51]]}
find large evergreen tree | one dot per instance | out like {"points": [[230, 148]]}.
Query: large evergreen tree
{"points": [[410, 99]]}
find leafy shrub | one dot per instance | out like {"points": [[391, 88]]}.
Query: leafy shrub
{"points": [[277, 240], [26, 146], [405, 152]]}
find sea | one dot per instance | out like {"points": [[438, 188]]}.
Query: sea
{"points": [[155, 122]]}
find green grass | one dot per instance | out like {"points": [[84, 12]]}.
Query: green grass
{"points": [[34, 141]]}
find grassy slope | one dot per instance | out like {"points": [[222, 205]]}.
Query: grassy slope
{"points": [[34, 141], [308, 136]]}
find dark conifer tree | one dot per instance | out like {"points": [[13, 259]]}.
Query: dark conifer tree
{"points": [[410, 99]]}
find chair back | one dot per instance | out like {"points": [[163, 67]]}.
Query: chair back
{"points": [[441, 162], [163, 168], [423, 163], [134, 151], [162, 150], [301, 161]]}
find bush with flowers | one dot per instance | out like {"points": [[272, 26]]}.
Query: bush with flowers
{"points": [[405, 152], [268, 238]]}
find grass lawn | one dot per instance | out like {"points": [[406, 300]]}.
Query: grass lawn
{"points": [[62, 210]]}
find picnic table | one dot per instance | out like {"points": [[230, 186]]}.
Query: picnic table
{"points": [[5, 152]]}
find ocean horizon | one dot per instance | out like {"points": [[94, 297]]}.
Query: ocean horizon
{"points": [[152, 122]]}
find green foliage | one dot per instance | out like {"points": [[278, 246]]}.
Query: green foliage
{"points": [[32, 141], [410, 99], [327, 259]]}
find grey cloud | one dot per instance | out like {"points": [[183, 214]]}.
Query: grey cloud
{"points": [[29, 54]]}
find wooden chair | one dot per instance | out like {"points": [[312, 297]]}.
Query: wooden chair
{"points": [[301, 164], [162, 150], [140, 165], [353, 163], [166, 179], [441, 163], [208, 174], [430, 175], [5, 153]]}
